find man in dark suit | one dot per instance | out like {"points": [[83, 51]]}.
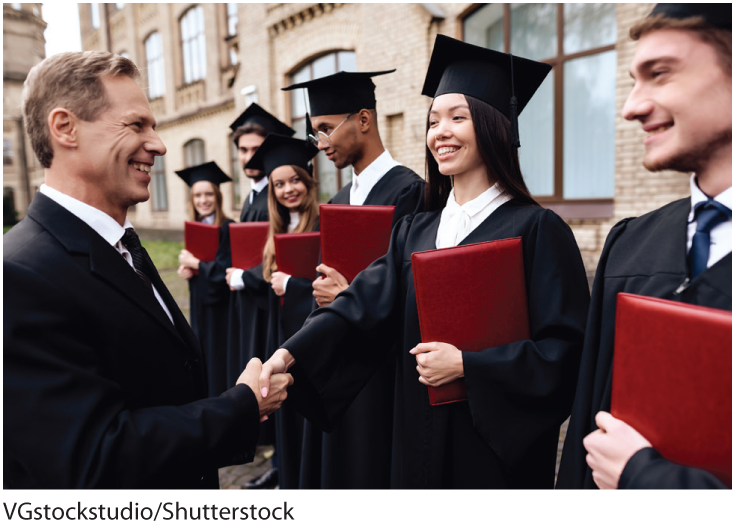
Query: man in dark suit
{"points": [[682, 97], [103, 381]]}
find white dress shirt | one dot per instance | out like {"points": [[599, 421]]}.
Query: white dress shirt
{"points": [[720, 236], [363, 183], [258, 186], [209, 219], [459, 221], [105, 226]]}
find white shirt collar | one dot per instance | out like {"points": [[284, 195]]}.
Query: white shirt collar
{"points": [[260, 185], [106, 226], [724, 198], [295, 217], [209, 219], [363, 183], [457, 222]]}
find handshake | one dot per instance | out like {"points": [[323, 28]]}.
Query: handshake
{"points": [[268, 381]]}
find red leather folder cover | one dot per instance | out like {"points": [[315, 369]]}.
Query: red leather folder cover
{"points": [[247, 241], [297, 254], [672, 379], [473, 297], [201, 240], [353, 237]]}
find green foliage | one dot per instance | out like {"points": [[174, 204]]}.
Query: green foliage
{"points": [[10, 215], [164, 254], [6, 229]]}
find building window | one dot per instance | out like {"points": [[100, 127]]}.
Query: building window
{"points": [[7, 153], [193, 45], [94, 9], [329, 177], [16, 6], [194, 152], [154, 58], [158, 183], [231, 19], [119, 5], [125, 54], [235, 165], [567, 131]]}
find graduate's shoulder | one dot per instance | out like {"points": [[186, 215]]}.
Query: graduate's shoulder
{"points": [[652, 225], [531, 216], [403, 176]]}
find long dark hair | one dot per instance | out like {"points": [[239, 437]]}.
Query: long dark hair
{"points": [[492, 131]]}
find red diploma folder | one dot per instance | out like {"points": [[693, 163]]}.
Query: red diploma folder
{"points": [[201, 240], [473, 297], [672, 379], [297, 254], [247, 241], [353, 237]]}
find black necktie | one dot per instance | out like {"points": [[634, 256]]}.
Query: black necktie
{"points": [[708, 214], [253, 194], [131, 241]]}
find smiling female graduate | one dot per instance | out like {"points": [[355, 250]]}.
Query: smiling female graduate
{"points": [[505, 435], [293, 207], [209, 294]]}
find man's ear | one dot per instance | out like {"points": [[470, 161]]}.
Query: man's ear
{"points": [[365, 120], [63, 127]]}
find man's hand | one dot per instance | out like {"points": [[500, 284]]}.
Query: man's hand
{"points": [[279, 362], [186, 259], [329, 285], [438, 363], [185, 272], [277, 280], [277, 390], [609, 449], [228, 276]]}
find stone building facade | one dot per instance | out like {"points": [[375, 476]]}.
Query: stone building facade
{"points": [[23, 47], [580, 157]]}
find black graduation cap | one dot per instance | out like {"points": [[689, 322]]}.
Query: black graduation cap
{"points": [[279, 150], [340, 93], [257, 115], [208, 171], [504, 81], [717, 15]]}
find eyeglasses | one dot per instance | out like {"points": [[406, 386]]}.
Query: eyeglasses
{"points": [[326, 138]]}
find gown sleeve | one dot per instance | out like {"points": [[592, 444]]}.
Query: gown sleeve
{"points": [[409, 201], [211, 282], [529, 385], [340, 346], [647, 469]]}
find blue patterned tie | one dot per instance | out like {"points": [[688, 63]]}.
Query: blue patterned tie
{"points": [[131, 241], [708, 215]]}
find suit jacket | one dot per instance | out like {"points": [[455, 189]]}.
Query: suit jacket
{"points": [[101, 390]]}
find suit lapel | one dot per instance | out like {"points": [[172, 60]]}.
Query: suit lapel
{"points": [[104, 260]]}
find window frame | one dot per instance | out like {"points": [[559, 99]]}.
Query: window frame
{"points": [[188, 42], [569, 208], [160, 58], [155, 196]]}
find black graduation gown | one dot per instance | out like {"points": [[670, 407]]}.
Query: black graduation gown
{"points": [[356, 454], [248, 310], [283, 321], [645, 256], [209, 312], [506, 435], [248, 320]]}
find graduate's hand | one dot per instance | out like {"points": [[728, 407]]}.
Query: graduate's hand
{"points": [[329, 285], [266, 405], [277, 280], [228, 276], [186, 259], [279, 362], [185, 272], [438, 363], [610, 448]]}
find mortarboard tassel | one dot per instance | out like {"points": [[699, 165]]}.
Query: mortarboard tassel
{"points": [[514, 135]]}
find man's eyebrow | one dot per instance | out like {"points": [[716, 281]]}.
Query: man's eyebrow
{"points": [[647, 65]]}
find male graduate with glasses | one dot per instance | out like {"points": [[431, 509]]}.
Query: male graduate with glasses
{"points": [[343, 124], [682, 96]]}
